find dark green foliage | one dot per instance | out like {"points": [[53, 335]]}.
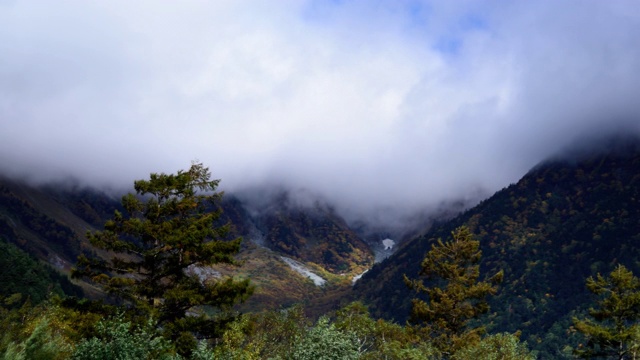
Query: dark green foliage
{"points": [[455, 295], [24, 278], [288, 334], [379, 339], [561, 223], [46, 331], [117, 340], [265, 335], [325, 342], [496, 347], [614, 331], [279, 330], [59, 237], [314, 234], [41, 344], [89, 205], [162, 239]]}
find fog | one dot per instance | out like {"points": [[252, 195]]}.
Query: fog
{"points": [[382, 108]]}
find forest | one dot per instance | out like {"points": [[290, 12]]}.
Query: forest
{"points": [[542, 269]]}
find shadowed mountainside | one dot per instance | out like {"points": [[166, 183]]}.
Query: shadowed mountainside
{"points": [[50, 223], [563, 221]]}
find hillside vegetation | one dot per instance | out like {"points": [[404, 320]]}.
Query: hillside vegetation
{"points": [[562, 222], [546, 264]]}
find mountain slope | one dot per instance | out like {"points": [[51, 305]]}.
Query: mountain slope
{"points": [[318, 236], [24, 278], [280, 233], [562, 222], [50, 223], [41, 224], [313, 234]]}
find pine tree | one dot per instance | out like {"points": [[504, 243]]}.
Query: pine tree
{"points": [[502, 346], [615, 333], [159, 244], [454, 294]]}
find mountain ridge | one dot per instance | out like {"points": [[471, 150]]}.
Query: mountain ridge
{"points": [[563, 221], [50, 222]]}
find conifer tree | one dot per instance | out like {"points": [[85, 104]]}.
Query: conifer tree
{"points": [[158, 246], [454, 293], [615, 333]]}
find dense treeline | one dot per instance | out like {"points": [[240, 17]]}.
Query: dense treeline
{"points": [[55, 331], [87, 204], [24, 278], [58, 236], [80, 329], [505, 280], [560, 224], [442, 326], [165, 233]]}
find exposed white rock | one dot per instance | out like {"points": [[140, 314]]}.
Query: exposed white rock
{"points": [[202, 272], [388, 244], [57, 262], [303, 270], [357, 277]]}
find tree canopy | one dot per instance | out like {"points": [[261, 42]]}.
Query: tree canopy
{"points": [[454, 293], [614, 331], [158, 249]]}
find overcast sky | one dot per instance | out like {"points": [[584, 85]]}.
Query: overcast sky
{"points": [[391, 105]]}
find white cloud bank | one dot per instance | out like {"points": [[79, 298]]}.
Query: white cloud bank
{"points": [[393, 105]]}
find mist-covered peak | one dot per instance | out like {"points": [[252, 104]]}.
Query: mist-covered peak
{"points": [[381, 110]]}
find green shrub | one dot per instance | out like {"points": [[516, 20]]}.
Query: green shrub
{"points": [[496, 347], [42, 344], [117, 341], [325, 342]]}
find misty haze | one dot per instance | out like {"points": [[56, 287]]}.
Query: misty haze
{"points": [[348, 137], [381, 109]]}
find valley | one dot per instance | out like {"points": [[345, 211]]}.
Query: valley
{"points": [[565, 220]]}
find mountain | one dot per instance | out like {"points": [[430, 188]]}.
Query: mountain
{"points": [[567, 219], [44, 228], [310, 233], [23, 278], [292, 253], [284, 242], [51, 223]]}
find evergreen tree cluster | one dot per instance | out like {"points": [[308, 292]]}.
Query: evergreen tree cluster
{"points": [[148, 260], [165, 235], [563, 222], [23, 278]]}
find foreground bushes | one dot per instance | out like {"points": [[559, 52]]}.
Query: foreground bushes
{"points": [[86, 331]]}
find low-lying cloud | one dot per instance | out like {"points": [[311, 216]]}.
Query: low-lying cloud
{"points": [[377, 106]]}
